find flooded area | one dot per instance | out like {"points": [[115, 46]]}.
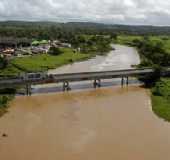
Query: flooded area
{"points": [[111, 123]]}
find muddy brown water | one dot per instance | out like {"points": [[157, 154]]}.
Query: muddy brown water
{"points": [[108, 123], [104, 124]]}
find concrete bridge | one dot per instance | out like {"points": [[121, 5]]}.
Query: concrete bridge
{"points": [[96, 77]]}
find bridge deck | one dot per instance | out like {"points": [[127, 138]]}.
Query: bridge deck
{"points": [[70, 77]]}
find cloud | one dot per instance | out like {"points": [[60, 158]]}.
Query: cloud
{"points": [[150, 12]]}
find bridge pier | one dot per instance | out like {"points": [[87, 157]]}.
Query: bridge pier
{"points": [[127, 81], [66, 86], [97, 83], [28, 90], [122, 81]]}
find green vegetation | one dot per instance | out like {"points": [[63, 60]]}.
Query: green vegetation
{"points": [[127, 39], [92, 44], [4, 100], [35, 43], [43, 62], [52, 30], [55, 51], [3, 63], [86, 45], [161, 99]]}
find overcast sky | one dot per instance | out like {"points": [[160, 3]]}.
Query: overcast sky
{"points": [[147, 12]]}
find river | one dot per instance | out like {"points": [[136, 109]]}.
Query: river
{"points": [[107, 123], [122, 57]]}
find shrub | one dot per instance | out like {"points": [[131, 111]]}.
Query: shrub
{"points": [[55, 51]]}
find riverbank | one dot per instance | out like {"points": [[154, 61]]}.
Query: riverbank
{"points": [[43, 62], [161, 99], [4, 103], [154, 51]]}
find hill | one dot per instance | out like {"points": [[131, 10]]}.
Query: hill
{"points": [[49, 29]]}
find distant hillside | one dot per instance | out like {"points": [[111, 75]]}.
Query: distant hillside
{"points": [[124, 28], [55, 30]]}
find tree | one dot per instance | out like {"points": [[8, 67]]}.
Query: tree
{"points": [[113, 36]]}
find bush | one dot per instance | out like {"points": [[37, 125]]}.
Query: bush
{"points": [[3, 63], [162, 88], [161, 99], [4, 100], [55, 51]]}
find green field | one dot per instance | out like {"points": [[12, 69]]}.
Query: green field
{"points": [[127, 39], [161, 99], [165, 40], [43, 62]]}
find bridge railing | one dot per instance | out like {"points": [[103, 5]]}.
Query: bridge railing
{"points": [[99, 72], [78, 76]]}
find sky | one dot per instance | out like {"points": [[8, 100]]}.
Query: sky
{"points": [[134, 12]]}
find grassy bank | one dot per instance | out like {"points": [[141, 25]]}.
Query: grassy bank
{"points": [[4, 100], [43, 62], [161, 99]]}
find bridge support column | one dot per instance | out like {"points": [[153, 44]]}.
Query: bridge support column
{"points": [[97, 83], [122, 81], [28, 90], [66, 86], [127, 81]]}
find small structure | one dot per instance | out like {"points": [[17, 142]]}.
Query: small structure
{"points": [[35, 43], [65, 45], [39, 49], [38, 43], [40, 46], [23, 51], [59, 44], [8, 52]]}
